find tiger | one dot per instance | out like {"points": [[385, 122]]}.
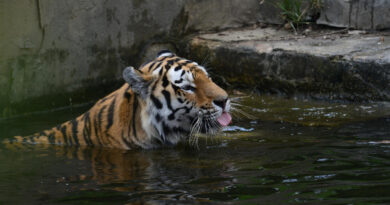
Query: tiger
{"points": [[163, 102]]}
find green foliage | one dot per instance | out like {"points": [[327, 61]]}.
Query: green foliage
{"points": [[293, 12]]}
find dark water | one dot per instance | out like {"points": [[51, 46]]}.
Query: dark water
{"points": [[294, 152]]}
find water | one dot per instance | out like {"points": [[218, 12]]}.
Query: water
{"points": [[293, 152]]}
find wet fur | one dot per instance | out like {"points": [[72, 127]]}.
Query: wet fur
{"points": [[155, 107]]}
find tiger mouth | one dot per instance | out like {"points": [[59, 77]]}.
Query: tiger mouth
{"points": [[211, 124], [225, 119]]}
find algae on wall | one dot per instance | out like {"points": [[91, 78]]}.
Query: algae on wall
{"points": [[51, 50], [54, 53]]}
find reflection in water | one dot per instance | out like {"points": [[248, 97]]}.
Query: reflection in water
{"points": [[126, 176], [110, 165]]}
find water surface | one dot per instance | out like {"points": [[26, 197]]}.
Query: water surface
{"points": [[292, 152]]}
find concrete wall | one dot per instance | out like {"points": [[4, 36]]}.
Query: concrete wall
{"points": [[358, 14], [55, 53], [354, 14]]}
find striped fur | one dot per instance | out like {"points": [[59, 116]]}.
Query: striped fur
{"points": [[164, 101]]}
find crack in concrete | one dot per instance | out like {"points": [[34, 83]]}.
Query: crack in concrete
{"points": [[41, 26], [372, 14], [357, 14], [349, 12]]}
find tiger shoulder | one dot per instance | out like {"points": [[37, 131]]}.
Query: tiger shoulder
{"points": [[164, 101]]}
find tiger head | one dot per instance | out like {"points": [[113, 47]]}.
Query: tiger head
{"points": [[180, 98]]}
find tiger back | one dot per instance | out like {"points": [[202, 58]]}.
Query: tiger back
{"points": [[161, 103]]}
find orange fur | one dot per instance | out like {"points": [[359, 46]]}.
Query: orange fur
{"points": [[117, 119]]}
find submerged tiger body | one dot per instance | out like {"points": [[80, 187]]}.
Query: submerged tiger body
{"points": [[161, 103]]}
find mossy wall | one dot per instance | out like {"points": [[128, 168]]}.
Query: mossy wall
{"points": [[57, 53]]}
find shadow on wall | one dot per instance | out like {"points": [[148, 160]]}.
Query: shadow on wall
{"points": [[56, 53]]}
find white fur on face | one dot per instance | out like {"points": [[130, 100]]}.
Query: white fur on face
{"points": [[178, 113]]}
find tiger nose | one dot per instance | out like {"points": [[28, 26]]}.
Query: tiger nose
{"points": [[221, 102]]}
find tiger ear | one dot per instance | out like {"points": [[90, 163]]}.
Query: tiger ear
{"points": [[138, 82], [164, 53]]}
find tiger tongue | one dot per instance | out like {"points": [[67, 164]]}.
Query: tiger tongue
{"points": [[225, 119]]}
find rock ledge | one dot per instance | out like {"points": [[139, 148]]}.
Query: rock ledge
{"points": [[330, 65]]}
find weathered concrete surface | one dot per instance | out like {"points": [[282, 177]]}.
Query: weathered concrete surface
{"points": [[269, 13], [220, 14], [323, 66], [55, 53], [359, 14], [59, 48]]}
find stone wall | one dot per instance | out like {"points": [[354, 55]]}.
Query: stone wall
{"points": [[354, 14], [56, 53], [358, 14]]}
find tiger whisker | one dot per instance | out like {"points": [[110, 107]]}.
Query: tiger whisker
{"points": [[240, 105], [232, 99], [237, 115], [213, 124], [194, 130], [196, 137], [245, 114], [206, 121], [194, 126]]}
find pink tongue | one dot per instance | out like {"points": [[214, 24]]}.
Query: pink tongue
{"points": [[225, 119]]}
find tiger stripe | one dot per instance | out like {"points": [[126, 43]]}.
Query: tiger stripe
{"points": [[135, 107], [151, 109]]}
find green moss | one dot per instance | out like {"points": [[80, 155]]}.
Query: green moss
{"points": [[54, 55], [137, 3]]}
